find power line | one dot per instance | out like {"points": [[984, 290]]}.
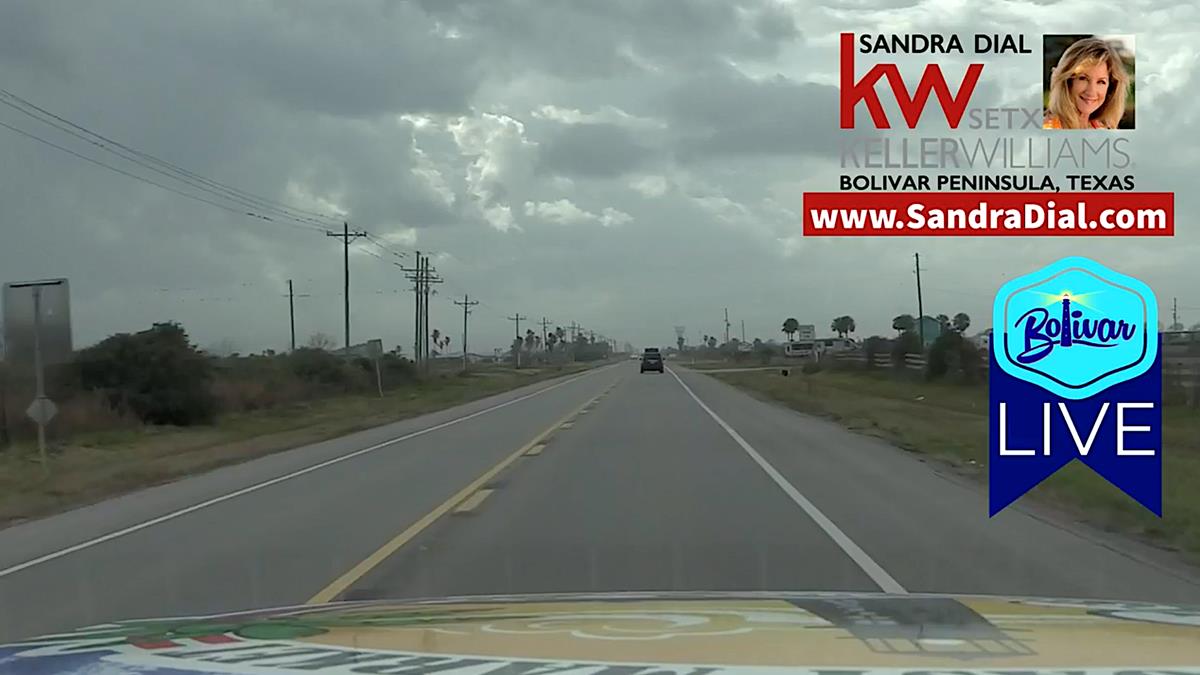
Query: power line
{"points": [[373, 254], [172, 171], [382, 245], [219, 194], [143, 179]]}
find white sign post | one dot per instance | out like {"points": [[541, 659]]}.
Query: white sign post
{"points": [[42, 410]]}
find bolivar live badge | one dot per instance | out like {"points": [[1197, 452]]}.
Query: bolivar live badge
{"points": [[1076, 373]]}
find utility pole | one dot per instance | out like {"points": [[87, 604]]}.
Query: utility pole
{"points": [[545, 324], [292, 313], [518, 318], [425, 313], [346, 236], [430, 277], [467, 303], [1174, 313], [574, 331], [726, 325], [920, 301], [291, 295], [743, 330], [413, 274], [422, 276]]}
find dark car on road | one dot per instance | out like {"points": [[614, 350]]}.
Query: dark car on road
{"points": [[652, 360]]}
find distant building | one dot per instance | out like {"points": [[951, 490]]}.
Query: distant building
{"points": [[371, 349], [983, 340], [932, 330]]}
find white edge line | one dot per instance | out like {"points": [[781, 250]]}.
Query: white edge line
{"points": [[278, 479], [853, 550]]}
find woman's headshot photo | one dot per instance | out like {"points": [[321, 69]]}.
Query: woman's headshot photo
{"points": [[1088, 81]]}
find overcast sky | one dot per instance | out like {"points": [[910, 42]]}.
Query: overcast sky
{"points": [[630, 166]]}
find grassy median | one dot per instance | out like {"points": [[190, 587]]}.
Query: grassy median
{"points": [[91, 466], [949, 422]]}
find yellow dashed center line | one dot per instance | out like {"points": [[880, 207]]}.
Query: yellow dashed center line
{"points": [[473, 501], [460, 500]]}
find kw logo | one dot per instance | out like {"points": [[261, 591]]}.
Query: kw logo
{"points": [[911, 106]]}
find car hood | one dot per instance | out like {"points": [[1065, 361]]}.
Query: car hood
{"points": [[636, 633]]}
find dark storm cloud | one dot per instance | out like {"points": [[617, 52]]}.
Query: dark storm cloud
{"points": [[25, 36], [346, 59], [703, 121], [727, 113], [592, 150], [351, 59], [607, 38]]}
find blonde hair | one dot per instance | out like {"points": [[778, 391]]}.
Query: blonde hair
{"points": [[1080, 56]]}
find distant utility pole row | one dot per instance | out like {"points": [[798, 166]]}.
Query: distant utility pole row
{"points": [[423, 276]]}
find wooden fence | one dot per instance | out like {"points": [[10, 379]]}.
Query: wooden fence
{"points": [[884, 360], [1179, 370]]}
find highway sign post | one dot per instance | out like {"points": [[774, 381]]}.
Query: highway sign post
{"points": [[372, 350], [375, 351], [27, 306]]}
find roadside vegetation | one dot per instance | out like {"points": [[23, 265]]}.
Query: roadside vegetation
{"points": [[939, 409], [149, 407]]}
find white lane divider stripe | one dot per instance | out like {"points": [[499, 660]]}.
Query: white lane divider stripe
{"points": [[851, 549], [278, 479]]}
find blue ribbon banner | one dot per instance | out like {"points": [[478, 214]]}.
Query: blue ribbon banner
{"points": [[1076, 373]]}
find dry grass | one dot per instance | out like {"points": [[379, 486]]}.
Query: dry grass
{"points": [[99, 464], [949, 422]]}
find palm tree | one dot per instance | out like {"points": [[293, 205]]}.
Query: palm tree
{"points": [[528, 340], [790, 326], [943, 321], [712, 342], [961, 322], [551, 340], [842, 325], [903, 323]]}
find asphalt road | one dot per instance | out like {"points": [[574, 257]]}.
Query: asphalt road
{"points": [[607, 481]]}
